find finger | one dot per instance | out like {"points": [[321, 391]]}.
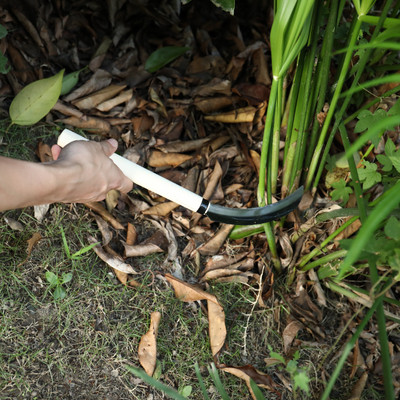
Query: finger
{"points": [[127, 185], [109, 146], [55, 151]]}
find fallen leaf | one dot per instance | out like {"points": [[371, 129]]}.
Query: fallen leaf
{"points": [[13, 224], [111, 260], [179, 146], [91, 124], [213, 245], [36, 237], [248, 372], [123, 97], [245, 114], [141, 250], [111, 199], [104, 229], [216, 316], [148, 345], [289, 333], [40, 211], [131, 234], [99, 209], [43, 151], [160, 159], [162, 209], [358, 388]]}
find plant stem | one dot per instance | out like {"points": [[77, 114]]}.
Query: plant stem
{"points": [[332, 106]]}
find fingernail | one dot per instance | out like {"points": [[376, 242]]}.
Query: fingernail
{"points": [[113, 143]]}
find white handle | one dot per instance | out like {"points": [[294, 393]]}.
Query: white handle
{"points": [[143, 177]]}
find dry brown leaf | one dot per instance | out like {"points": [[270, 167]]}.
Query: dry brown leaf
{"points": [[162, 209], [111, 260], [213, 245], [141, 250], [13, 224], [179, 146], [123, 97], [245, 114], [131, 234], [350, 230], [99, 209], [213, 104], [66, 109], [317, 288], [40, 211], [215, 86], [213, 181], [91, 124], [43, 151], [216, 316], [220, 272], [121, 276], [111, 199], [94, 99], [289, 333], [104, 229], [220, 261], [217, 328], [160, 159], [359, 386], [248, 372], [148, 345], [31, 244]]}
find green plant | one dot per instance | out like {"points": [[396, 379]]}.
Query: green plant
{"points": [[78, 254], [57, 282]]}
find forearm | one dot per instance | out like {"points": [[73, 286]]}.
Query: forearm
{"points": [[25, 183]]}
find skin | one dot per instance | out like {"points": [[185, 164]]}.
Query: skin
{"points": [[81, 172]]}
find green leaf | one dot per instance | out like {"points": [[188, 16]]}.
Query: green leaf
{"points": [[369, 175], [256, 390], [66, 277], [69, 81], [387, 165], [4, 69], [226, 5], [84, 250], [52, 278], [186, 391], [34, 101], [395, 159], [301, 381], [163, 56], [341, 191], [392, 228], [3, 31], [366, 119], [59, 293], [170, 392]]}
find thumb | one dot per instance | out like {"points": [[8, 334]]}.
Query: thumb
{"points": [[109, 146]]}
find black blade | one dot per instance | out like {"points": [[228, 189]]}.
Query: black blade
{"points": [[257, 215]]}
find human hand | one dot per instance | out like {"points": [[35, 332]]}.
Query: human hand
{"points": [[87, 171]]}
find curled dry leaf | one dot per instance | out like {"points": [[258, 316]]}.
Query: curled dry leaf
{"points": [[160, 159], [13, 224], [148, 345], [248, 372], [213, 104], [31, 244], [213, 245], [91, 124], [131, 234], [99, 209], [141, 250], [110, 260], [245, 114], [213, 181], [162, 209], [216, 316], [104, 229], [123, 97], [183, 147], [289, 333], [40, 211]]}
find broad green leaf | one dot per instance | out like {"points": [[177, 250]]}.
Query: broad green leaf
{"points": [[69, 82], [341, 191], [226, 5], [186, 391], [369, 175], [392, 228], [34, 101], [395, 159], [59, 293], [3, 31], [51, 277], [301, 381], [163, 56], [366, 119], [387, 165], [66, 277]]}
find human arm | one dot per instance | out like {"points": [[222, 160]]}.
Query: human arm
{"points": [[81, 172]]}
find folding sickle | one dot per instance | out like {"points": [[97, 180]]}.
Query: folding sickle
{"points": [[165, 188]]}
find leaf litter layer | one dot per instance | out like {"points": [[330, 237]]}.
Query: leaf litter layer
{"points": [[198, 121]]}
